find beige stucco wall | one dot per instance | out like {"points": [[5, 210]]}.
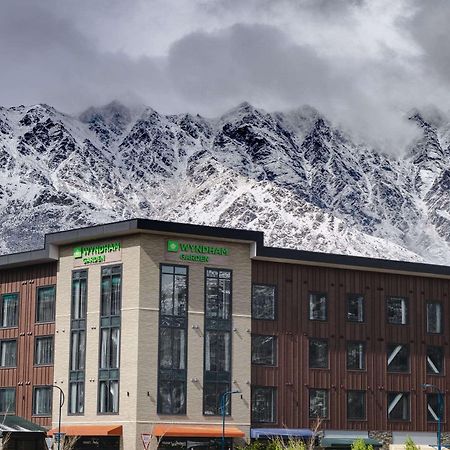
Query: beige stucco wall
{"points": [[141, 257]]}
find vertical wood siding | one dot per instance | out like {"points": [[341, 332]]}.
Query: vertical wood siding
{"points": [[25, 282], [293, 378]]}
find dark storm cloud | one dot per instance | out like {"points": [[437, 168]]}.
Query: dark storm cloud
{"points": [[361, 63], [429, 26]]}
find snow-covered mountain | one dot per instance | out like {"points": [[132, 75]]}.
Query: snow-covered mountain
{"points": [[294, 175]]}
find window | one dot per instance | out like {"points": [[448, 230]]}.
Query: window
{"points": [[109, 397], [435, 407], [398, 405], [217, 341], [7, 400], [397, 310], [217, 351], [356, 405], [355, 308], [173, 294], [263, 302], [318, 354], [212, 395], [172, 340], [45, 304], [9, 310], [318, 403], [43, 350], [218, 294], [434, 318], [263, 404], [435, 360], [42, 401], [172, 397], [111, 291], [264, 350], [356, 356], [8, 353], [397, 358], [317, 306], [78, 342]]}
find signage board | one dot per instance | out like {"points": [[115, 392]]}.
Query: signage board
{"points": [[58, 437], [96, 253], [196, 252], [49, 442]]}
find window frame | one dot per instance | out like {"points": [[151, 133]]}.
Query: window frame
{"points": [[407, 347], [397, 297], [349, 298], [171, 322], [2, 341], [274, 362], [440, 374], [17, 294], [12, 411], [431, 302], [364, 394], [427, 402], [44, 336], [324, 340], [318, 293], [110, 378], [38, 288], [217, 378], [327, 399], [274, 392], [77, 326], [275, 301], [50, 389], [408, 397], [364, 368]]}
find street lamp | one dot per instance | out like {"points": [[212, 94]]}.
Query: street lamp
{"points": [[223, 409], [61, 403], [440, 402]]}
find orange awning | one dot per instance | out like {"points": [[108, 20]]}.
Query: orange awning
{"points": [[196, 431], [89, 430]]}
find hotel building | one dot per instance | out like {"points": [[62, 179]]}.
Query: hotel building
{"points": [[144, 325]]}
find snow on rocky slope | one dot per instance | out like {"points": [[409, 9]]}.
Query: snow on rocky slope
{"points": [[293, 175]]}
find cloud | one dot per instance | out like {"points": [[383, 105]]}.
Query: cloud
{"points": [[363, 64]]}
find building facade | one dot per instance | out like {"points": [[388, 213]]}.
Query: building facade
{"points": [[144, 325]]}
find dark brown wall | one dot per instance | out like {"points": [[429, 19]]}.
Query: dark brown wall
{"points": [[292, 376], [25, 281]]}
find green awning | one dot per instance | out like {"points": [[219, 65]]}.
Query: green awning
{"points": [[12, 423], [346, 442]]}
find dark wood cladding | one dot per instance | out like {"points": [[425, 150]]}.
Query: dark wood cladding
{"points": [[292, 376], [25, 282]]}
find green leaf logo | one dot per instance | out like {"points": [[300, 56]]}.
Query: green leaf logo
{"points": [[77, 253], [172, 246]]}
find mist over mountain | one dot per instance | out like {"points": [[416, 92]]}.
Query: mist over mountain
{"points": [[294, 175]]}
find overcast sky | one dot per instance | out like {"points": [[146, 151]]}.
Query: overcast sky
{"points": [[362, 63]]}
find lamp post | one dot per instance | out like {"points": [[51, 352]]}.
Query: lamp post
{"points": [[440, 403], [223, 404], [61, 403]]}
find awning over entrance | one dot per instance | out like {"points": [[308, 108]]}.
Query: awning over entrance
{"points": [[268, 433], [210, 431], [89, 430], [346, 442]]}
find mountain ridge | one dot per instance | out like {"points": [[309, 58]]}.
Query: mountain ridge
{"points": [[294, 175]]}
